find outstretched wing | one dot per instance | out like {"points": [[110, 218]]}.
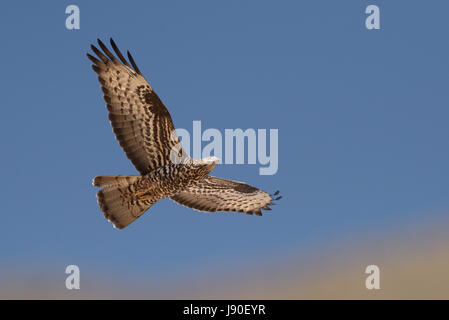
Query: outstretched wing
{"points": [[140, 121], [213, 194]]}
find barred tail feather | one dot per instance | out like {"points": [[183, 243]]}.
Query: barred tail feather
{"points": [[117, 200], [114, 180]]}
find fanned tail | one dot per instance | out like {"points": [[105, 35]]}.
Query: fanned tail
{"points": [[117, 199]]}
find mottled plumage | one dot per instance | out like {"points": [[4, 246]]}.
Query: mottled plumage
{"points": [[144, 129]]}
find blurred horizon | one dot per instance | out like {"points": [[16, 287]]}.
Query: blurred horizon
{"points": [[413, 265]]}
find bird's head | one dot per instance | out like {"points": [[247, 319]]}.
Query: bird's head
{"points": [[210, 160], [206, 165]]}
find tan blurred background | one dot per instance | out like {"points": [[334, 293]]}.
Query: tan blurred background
{"points": [[414, 264]]}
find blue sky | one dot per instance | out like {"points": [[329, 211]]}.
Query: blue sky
{"points": [[362, 118]]}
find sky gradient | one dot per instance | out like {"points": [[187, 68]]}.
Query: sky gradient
{"points": [[362, 118]]}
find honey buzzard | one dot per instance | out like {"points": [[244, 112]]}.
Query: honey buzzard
{"points": [[144, 129]]}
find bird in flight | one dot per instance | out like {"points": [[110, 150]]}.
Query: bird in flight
{"points": [[145, 131]]}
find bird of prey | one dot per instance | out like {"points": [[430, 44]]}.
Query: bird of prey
{"points": [[145, 131]]}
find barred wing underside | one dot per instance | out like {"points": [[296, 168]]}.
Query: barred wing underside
{"points": [[213, 194], [140, 121]]}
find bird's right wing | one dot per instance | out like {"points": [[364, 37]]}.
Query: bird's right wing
{"points": [[140, 121], [213, 194]]}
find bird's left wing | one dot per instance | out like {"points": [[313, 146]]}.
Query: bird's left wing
{"points": [[141, 122], [213, 194]]}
